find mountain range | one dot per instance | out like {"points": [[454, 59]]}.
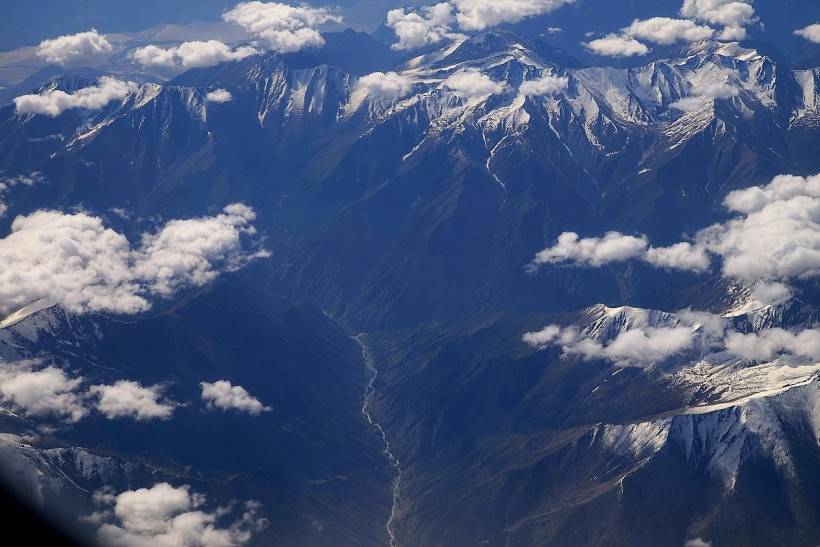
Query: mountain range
{"points": [[384, 332]]}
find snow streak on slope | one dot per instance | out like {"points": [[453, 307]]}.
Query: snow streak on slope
{"points": [[369, 392]]}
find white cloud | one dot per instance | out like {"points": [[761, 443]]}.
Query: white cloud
{"points": [[696, 332], [544, 337], [729, 13], [770, 292], [127, 399], [810, 33], [617, 247], [708, 84], [224, 396], [75, 260], [697, 542], [545, 85], [639, 347], [219, 96], [778, 236], [592, 251], [193, 252], [680, 256], [769, 344], [428, 25], [775, 238], [83, 48], [781, 188], [613, 45], [285, 28], [692, 331], [732, 34], [481, 14], [666, 30], [733, 15], [41, 391], [711, 325], [431, 24], [468, 84], [9, 182], [56, 101], [648, 346], [167, 516], [384, 85], [195, 54]]}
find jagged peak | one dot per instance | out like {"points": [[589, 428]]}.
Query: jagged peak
{"points": [[27, 311], [69, 83], [606, 322], [482, 47], [733, 50], [495, 40]]}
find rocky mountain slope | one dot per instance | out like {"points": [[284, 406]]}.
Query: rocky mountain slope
{"points": [[306, 371]]}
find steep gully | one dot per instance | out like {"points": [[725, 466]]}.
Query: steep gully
{"points": [[369, 393]]}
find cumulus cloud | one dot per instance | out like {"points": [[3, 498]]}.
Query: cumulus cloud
{"points": [[697, 542], [127, 399], [545, 85], [680, 256], [544, 337], [704, 91], [781, 189], [706, 84], [639, 347], [614, 45], [427, 25], [219, 96], [431, 24], [224, 396], [195, 54], [468, 84], [777, 236], [54, 102], [571, 249], [649, 345], [810, 33], [83, 48], [769, 344], [773, 239], [384, 85], [9, 182], [164, 515], [695, 332], [712, 326], [481, 14], [193, 252], [732, 34], [75, 260], [41, 391], [283, 27], [729, 13], [666, 30], [592, 251], [733, 15]]}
